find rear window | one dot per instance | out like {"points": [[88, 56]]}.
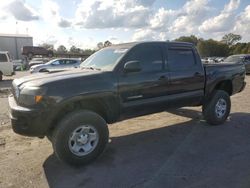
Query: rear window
{"points": [[180, 59], [3, 58]]}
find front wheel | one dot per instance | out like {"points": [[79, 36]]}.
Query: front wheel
{"points": [[80, 137], [217, 109]]}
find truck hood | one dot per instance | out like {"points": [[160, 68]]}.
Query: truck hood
{"points": [[43, 78]]}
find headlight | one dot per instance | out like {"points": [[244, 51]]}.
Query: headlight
{"points": [[30, 95], [16, 92]]}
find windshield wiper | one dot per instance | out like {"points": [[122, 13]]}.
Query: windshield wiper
{"points": [[91, 68]]}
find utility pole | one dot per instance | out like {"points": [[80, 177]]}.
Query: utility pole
{"points": [[15, 37]]}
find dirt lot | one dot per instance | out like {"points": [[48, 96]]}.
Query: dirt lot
{"points": [[169, 149]]}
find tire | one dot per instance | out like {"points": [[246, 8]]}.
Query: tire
{"points": [[69, 135], [217, 109], [1, 76]]}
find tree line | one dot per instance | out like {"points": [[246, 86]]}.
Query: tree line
{"points": [[228, 45], [75, 50]]}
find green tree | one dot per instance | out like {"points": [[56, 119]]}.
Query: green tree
{"points": [[62, 49], [192, 39], [209, 48], [47, 46], [107, 43], [75, 50], [240, 48], [231, 39], [100, 45], [88, 51]]}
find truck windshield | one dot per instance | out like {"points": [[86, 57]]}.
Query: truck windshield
{"points": [[234, 58], [3, 58], [104, 59]]}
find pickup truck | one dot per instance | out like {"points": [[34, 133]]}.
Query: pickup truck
{"points": [[73, 108], [31, 51]]}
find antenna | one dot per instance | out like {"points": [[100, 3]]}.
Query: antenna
{"points": [[16, 27]]}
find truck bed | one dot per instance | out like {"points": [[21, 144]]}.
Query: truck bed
{"points": [[224, 71]]}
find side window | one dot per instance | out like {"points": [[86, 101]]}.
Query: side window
{"points": [[180, 59], [247, 59], [62, 62], [3, 58], [56, 63], [150, 57], [70, 62]]}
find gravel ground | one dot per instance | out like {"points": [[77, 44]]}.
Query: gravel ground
{"points": [[168, 149]]}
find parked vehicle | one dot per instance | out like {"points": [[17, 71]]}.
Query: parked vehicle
{"points": [[31, 51], [6, 65], [72, 108], [240, 58], [18, 64], [56, 64], [38, 61]]}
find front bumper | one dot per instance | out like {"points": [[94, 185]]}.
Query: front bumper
{"points": [[26, 121]]}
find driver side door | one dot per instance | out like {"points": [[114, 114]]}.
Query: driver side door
{"points": [[140, 91]]}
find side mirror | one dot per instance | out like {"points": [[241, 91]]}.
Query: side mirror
{"points": [[132, 66]]}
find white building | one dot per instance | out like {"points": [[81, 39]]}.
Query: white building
{"points": [[13, 43]]}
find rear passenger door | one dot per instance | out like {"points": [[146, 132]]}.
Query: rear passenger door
{"points": [[187, 77]]}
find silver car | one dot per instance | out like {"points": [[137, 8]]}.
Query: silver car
{"points": [[240, 58], [56, 64]]}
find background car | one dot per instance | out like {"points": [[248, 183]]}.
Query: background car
{"points": [[31, 51], [6, 65], [244, 58], [56, 64], [38, 61]]}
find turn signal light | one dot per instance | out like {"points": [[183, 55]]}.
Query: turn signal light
{"points": [[38, 98]]}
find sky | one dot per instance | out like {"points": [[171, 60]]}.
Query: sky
{"points": [[84, 23]]}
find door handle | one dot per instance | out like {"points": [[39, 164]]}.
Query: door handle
{"points": [[163, 78], [197, 74]]}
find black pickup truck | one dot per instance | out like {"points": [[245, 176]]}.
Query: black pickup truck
{"points": [[72, 108]]}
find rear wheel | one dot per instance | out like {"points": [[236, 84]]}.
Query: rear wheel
{"points": [[80, 137], [217, 109]]}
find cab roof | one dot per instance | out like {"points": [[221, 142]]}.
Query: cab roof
{"points": [[132, 44]]}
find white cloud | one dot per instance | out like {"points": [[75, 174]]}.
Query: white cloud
{"points": [[242, 25], [161, 18], [149, 35], [190, 17], [224, 21], [113, 14], [168, 24], [51, 14], [64, 23], [20, 10]]}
